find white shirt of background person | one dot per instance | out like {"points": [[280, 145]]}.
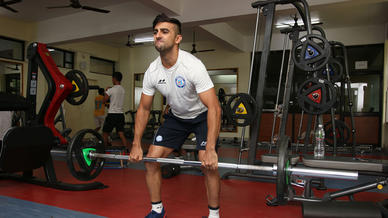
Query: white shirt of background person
{"points": [[5, 122]]}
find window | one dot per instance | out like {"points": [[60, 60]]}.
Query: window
{"points": [[62, 58], [11, 77], [366, 69], [365, 92], [101, 66], [11, 48]]}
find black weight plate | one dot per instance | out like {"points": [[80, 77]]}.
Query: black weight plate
{"points": [[176, 169], [342, 133], [241, 109], [167, 171], [316, 96], [76, 162], [311, 52], [335, 71], [80, 87], [282, 177]]}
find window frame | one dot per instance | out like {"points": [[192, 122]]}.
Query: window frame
{"points": [[64, 57], [104, 60], [23, 43]]}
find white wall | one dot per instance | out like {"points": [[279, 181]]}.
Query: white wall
{"points": [[79, 117]]}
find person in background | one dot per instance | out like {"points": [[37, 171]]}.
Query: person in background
{"points": [[5, 123], [99, 109], [115, 117]]}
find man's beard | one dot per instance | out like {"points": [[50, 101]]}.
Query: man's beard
{"points": [[163, 48]]}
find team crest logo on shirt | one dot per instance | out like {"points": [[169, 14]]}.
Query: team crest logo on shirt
{"points": [[159, 138], [180, 82]]}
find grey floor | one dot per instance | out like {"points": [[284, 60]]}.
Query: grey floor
{"points": [[16, 208]]}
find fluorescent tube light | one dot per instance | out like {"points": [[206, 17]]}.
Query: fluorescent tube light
{"points": [[144, 39]]}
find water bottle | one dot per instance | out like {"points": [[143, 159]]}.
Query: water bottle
{"points": [[319, 149]]}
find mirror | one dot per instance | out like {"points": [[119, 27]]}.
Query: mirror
{"points": [[11, 77], [226, 80]]}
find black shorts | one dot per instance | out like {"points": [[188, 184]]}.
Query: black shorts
{"points": [[114, 121], [174, 131]]}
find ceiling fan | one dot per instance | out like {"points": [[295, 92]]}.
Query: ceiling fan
{"points": [[76, 4], [5, 4], [194, 50]]}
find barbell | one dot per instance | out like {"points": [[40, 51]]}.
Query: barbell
{"points": [[86, 158], [299, 171]]}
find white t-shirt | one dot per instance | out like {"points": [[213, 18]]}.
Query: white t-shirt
{"points": [[116, 95], [180, 84], [5, 122]]}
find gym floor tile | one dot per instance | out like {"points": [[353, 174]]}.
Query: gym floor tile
{"points": [[13, 207]]}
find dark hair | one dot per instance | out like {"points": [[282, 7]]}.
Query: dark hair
{"points": [[164, 18], [101, 91], [117, 75]]}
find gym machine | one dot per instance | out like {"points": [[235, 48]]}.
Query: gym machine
{"points": [[309, 53], [29, 147]]}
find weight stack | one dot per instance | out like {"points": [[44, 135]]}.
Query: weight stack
{"points": [[341, 209]]}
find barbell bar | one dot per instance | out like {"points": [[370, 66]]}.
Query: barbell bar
{"points": [[298, 171]]}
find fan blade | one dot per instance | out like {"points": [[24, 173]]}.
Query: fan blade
{"points": [[9, 8], [95, 9], [206, 50], [53, 7], [11, 2]]}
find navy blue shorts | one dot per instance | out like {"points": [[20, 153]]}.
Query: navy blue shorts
{"points": [[174, 131], [114, 121]]}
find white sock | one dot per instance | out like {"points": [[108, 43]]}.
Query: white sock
{"points": [[214, 212], [157, 207]]}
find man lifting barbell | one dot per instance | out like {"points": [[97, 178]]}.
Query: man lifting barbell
{"points": [[194, 107]]}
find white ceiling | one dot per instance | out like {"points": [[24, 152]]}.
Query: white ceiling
{"points": [[333, 15], [35, 10]]}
